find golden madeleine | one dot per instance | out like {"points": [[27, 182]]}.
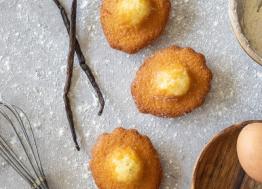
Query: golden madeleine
{"points": [[130, 25], [172, 82], [125, 159]]}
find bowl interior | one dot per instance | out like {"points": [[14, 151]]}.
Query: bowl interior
{"points": [[236, 13]]}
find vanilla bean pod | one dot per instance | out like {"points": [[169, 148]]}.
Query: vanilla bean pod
{"points": [[70, 64], [81, 59]]}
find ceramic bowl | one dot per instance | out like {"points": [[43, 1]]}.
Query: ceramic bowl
{"points": [[236, 12]]}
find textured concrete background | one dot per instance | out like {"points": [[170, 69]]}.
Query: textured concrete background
{"points": [[33, 50]]}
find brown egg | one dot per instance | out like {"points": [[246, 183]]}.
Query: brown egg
{"points": [[249, 150]]}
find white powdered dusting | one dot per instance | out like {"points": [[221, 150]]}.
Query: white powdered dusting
{"points": [[259, 75], [61, 132], [33, 51]]}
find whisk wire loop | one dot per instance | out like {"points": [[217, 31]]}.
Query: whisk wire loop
{"points": [[30, 166]]}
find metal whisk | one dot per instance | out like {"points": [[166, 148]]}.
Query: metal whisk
{"points": [[23, 155]]}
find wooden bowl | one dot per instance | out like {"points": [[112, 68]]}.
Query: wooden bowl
{"points": [[218, 166], [236, 11]]}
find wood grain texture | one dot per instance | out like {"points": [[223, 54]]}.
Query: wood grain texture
{"points": [[218, 166]]}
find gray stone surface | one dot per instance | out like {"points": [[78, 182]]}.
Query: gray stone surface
{"points": [[33, 50]]}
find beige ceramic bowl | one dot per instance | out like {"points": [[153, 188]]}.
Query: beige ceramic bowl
{"points": [[236, 10]]}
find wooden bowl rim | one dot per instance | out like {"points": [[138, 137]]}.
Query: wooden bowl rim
{"points": [[215, 137]]}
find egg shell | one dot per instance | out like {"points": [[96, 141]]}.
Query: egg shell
{"points": [[249, 150]]}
